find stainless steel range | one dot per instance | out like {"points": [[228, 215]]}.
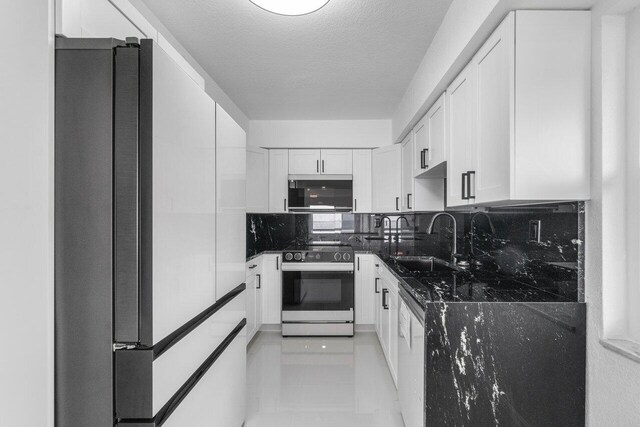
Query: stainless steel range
{"points": [[318, 291]]}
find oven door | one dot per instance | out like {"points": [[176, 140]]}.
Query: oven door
{"points": [[313, 295]]}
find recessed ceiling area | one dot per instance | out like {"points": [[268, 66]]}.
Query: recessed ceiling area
{"points": [[352, 59]]}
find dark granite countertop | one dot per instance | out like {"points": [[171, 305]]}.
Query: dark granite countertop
{"points": [[467, 286], [471, 285]]}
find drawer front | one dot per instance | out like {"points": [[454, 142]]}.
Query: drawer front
{"points": [[218, 399], [172, 368]]}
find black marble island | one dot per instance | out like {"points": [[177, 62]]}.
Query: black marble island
{"points": [[498, 351]]}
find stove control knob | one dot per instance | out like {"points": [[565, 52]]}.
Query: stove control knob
{"points": [[298, 256], [288, 256], [336, 256], [346, 256]]}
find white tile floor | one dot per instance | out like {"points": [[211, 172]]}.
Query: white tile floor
{"points": [[308, 382]]}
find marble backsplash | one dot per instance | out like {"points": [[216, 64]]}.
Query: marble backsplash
{"points": [[500, 240]]}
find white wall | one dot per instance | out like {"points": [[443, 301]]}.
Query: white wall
{"points": [[613, 380], [319, 133], [26, 213]]}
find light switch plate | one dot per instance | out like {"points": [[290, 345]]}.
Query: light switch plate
{"points": [[535, 226]]}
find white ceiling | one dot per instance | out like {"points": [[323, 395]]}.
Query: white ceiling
{"points": [[353, 59]]}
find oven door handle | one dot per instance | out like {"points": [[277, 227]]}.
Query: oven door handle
{"points": [[317, 266]]}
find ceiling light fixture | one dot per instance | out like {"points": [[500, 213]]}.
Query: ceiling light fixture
{"points": [[290, 7]]}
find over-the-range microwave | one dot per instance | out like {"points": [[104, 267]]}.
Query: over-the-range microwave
{"points": [[325, 193]]}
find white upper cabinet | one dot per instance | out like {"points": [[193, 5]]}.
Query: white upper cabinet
{"points": [[362, 181], [493, 69], [278, 180], [336, 162], [429, 137], [461, 126], [406, 203], [257, 180], [421, 146], [519, 113], [304, 162], [315, 162], [387, 184], [436, 154]]}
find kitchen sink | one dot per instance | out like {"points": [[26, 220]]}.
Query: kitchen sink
{"points": [[424, 264]]}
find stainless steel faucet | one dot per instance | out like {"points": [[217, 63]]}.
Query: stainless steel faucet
{"points": [[472, 233], [454, 246], [398, 220], [382, 218]]}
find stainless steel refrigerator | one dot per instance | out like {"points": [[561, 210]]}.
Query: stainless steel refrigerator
{"points": [[141, 338]]}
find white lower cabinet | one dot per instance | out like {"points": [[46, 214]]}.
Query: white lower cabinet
{"points": [[410, 367], [364, 290], [219, 396], [387, 317], [254, 296], [271, 288]]}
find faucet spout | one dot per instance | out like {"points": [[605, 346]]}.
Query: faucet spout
{"points": [[454, 246]]}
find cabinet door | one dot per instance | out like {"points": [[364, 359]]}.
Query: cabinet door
{"points": [[365, 296], [271, 289], [231, 209], [336, 162], [184, 197], [384, 318], [278, 180], [304, 162], [387, 164], [257, 180], [494, 70], [421, 145], [250, 301], [259, 296], [406, 204], [461, 101], [393, 332], [436, 125], [362, 181]]}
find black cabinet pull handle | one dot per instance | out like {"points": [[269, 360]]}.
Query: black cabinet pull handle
{"points": [[355, 204], [358, 263], [464, 180], [397, 201], [469, 173], [422, 159], [409, 201], [376, 285], [253, 266], [277, 263], [318, 166], [385, 292], [285, 205], [323, 166], [259, 281]]}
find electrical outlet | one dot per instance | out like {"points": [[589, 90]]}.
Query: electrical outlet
{"points": [[535, 227]]}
